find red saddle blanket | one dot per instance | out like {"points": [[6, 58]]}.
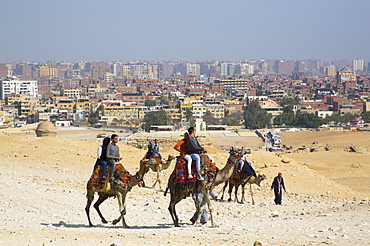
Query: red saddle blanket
{"points": [[208, 169], [121, 176]]}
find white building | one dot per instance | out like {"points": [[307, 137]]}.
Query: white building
{"points": [[18, 87], [358, 65]]}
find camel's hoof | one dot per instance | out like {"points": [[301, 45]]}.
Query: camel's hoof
{"points": [[229, 200], [91, 225], [126, 226], [104, 221], [115, 222], [214, 226], [177, 226], [198, 224]]}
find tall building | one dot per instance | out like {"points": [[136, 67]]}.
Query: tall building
{"points": [[284, 67], [358, 65], [18, 87], [330, 71], [3, 70], [193, 69], [344, 76], [224, 69]]}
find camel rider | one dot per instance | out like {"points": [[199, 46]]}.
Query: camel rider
{"points": [[182, 147], [102, 158], [113, 155], [154, 151], [147, 154], [194, 148], [245, 167]]}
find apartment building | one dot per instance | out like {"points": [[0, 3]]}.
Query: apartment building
{"points": [[18, 87]]}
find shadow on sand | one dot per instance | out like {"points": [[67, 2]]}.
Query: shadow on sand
{"points": [[110, 226]]}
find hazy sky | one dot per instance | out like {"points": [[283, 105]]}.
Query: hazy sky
{"points": [[119, 30]]}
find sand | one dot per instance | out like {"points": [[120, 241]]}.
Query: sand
{"points": [[43, 182]]}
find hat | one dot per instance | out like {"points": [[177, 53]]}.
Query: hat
{"points": [[280, 174]]}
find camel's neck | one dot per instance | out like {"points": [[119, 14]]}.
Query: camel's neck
{"points": [[135, 179], [166, 164], [225, 173]]}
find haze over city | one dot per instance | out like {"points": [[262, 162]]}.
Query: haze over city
{"points": [[183, 30]]}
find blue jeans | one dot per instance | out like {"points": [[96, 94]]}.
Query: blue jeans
{"points": [[112, 165], [103, 164], [196, 157], [204, 216]]}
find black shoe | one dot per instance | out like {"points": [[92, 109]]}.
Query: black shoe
{"points": [[192, 221], [203, 223]]}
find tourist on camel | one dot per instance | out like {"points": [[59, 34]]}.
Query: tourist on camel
{"points": [[102, 158], [154, 150], [113, 155], [147, 153], [245, 167], [182, 147], [194, 148]]}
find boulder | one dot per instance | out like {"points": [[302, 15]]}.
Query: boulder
{"points": [[46, 129]]}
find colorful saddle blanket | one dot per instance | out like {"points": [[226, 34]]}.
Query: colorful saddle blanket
{"points": [[121, 176], [181, 169]]}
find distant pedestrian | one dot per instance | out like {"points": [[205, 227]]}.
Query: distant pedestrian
{"points": [[277, 184]]}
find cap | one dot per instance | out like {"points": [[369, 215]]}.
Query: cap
{"points": [[280, 174]]}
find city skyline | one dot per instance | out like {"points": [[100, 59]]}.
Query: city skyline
{"points": [[191, 30]]}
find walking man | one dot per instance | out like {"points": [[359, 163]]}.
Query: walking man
{"points": [[277, 184]]}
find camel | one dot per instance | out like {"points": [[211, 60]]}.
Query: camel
{"points": [[158, 167], [179, 191], [114, 191], [237, 182]]}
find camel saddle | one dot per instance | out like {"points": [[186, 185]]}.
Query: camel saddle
{"points": [[121, 177], [155, 160], [181, 170]]}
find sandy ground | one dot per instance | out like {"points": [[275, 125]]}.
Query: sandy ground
{"points": [[42, 198]]}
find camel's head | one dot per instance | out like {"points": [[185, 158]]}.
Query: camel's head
{"points": [[171, 157], [261, 177]]}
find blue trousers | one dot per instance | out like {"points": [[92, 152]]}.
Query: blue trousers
{"points": [[204, 217], [196, 157], [112, 165]]}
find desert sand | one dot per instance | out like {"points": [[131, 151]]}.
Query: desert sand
{"points": [[43, 182]]}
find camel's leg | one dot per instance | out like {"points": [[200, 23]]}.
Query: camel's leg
{"points": [[223, 189], [231, 186], [90, 198], [102, 198], [243, 198], [210, 208], [172, 210], [236, 192], [252, 194], [157, 181], [122, 208]]}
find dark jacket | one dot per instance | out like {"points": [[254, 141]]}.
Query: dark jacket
{"points": [[275, 184], [193, 145]]}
